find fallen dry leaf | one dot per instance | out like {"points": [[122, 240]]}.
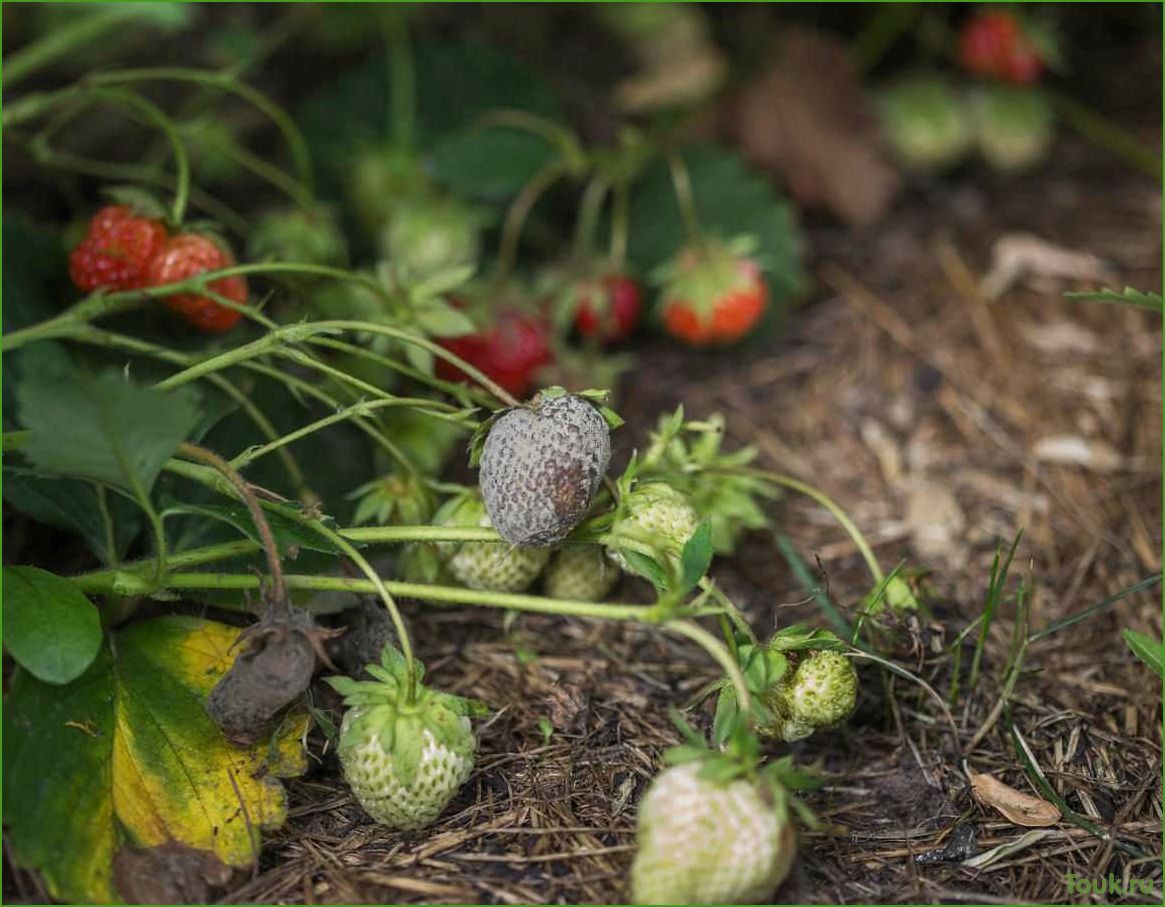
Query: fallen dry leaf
{"points": [[1016, 806], [1073, 450], [1021, 256], [807, 118]]}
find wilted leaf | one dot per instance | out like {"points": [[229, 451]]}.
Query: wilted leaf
{"points": [[127, 752], [807, 118], [995, 854], [1022, 809], [50, 627]]}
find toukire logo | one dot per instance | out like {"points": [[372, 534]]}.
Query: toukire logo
{"points": [[1111, 886]]}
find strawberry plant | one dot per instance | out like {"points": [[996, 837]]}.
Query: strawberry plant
{"points": [[305, 407]]}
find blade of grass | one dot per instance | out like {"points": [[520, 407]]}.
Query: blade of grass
{"points": [[1014, 665], [875, 597], [1064, 622], [1023, 751], [994, 595]]}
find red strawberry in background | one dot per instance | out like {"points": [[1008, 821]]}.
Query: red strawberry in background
{"points": [[996, 44], [116, 252], [608, 309], [712, 294], [510, 352], [186, 255]]}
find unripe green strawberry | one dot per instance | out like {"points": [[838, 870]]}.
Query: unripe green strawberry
{"points": [[310, 236], [489, 566], [819, 692], [658, 516], [1014, 127], [426, 236], [581, 573], [403, 760], [703, 842], [926, 122]]}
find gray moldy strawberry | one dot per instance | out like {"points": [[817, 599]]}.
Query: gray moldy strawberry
{"points": [[541, 465]]}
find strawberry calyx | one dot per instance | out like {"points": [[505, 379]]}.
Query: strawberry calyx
{"points": [[382, 709], [699, 277]]}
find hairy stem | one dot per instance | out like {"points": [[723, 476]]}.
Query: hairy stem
{"points": [[209, 457]]}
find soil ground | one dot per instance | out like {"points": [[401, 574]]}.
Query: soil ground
{"points": [[943, 424]]}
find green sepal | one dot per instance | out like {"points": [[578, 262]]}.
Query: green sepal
{"points": [[407, 747], [461, 705], [647, 567], [696, 558], [797, 637], [477, 441], [598, 398]]}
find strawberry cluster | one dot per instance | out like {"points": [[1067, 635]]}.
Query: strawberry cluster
{"points": [[124, 251]]}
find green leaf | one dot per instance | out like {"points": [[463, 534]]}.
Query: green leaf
{"points": [[73, 505], [442, 320], [290, 534], [731, 199], [103, 428], [455, 84], [797, 637], [489, 163], [696, 557], [50, 627], [727, 713], [1128, 296], [35, 280], [1146, 648], [127, 753], [648, 567]]}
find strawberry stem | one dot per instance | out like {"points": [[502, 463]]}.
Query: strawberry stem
{"points": [[589, 210], [403, 82], [201, 454], [520, 210], [685, 198], [821, 498], [225, 81], [620, 225]]}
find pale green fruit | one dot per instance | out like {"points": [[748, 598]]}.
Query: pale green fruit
{"points": [[657, 516], [581, 573], [702, 842], [376, 780], [819, 692]]}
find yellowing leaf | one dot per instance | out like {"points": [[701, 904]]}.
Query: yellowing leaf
{"points": [[126, 755], [1016, 806]]}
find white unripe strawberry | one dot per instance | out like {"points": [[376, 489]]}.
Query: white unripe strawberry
{"points": [[707, 842], [404, 759]]}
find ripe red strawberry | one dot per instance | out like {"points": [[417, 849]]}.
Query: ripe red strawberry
{"points": [[614, 314], [996, 44], [115, 253], [186, 255], [712, 295], [510, 352]]}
